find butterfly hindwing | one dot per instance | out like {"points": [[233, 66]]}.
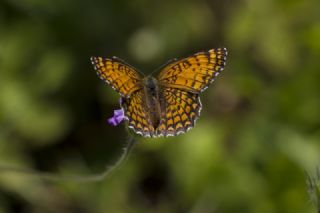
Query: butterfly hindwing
{"points": [[123, 78], [182, 110], [194, 73], [137, 115]]}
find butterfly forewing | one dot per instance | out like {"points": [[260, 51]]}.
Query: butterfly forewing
{"points": [[194, 73], [123, 78]]}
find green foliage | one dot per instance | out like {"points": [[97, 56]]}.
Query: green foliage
{"points": [[257, 135]]}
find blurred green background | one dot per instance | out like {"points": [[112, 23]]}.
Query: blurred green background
{"points": [[259, 129]]}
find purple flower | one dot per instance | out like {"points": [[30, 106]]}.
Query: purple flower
{"points": [[118, 116]]}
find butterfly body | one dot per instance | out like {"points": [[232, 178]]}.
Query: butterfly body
{"points": [[154, 100], [168, 104]]}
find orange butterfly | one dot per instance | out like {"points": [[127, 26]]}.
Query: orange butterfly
{"points": [[166, 105]]}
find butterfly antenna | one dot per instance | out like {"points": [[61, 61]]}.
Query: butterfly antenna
{"points": [[164, 65], [126, 63]]}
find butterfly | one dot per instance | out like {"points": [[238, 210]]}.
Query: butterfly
{"points": [[168, 104]]}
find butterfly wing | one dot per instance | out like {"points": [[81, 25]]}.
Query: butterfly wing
{"points": [[182, 110], [194, 73], [182, 81], [137, 114], [123, 78]]}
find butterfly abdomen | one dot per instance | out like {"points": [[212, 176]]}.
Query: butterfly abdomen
{"points": [[152, 102]]}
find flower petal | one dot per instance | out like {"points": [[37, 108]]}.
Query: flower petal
{"points": [[118, 112], [118, 116], [112, 121]]}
